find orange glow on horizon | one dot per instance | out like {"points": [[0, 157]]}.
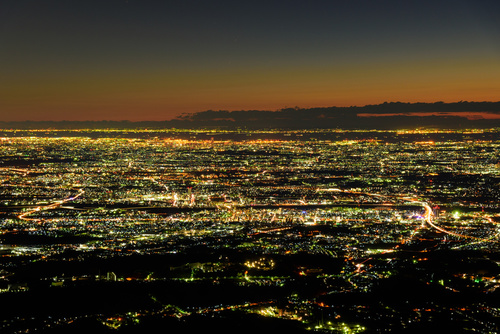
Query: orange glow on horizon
{"points": [[468, 115], [164, 96]]}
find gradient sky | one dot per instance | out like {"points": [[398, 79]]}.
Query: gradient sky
{"points": [[153, 60]]}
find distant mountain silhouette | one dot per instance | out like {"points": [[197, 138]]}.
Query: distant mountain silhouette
{"points": [[388, 115]]}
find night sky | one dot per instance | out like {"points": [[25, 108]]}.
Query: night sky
{"points": [[154, 60]]}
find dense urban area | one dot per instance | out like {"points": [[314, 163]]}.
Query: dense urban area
{"points": [[330, 231]]}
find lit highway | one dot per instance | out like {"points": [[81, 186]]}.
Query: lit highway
{"points": [[24, 216]]}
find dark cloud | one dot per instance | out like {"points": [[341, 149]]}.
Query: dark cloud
{"points": [[393, 115]]}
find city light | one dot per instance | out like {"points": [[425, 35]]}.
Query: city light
{"points": [[306, 231]]}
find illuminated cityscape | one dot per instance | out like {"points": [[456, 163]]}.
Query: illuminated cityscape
{"points": [[329, 231]]}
